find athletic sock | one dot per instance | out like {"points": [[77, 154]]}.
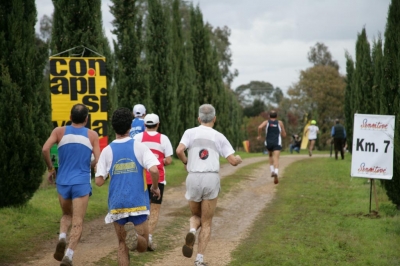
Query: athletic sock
{"points": [[193, 230], [69, 253], [276, 171], [62, 235], [199, 257], [271, 167]]}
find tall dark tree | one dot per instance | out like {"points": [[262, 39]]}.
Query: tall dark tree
{"points": [[390, 87], [21, 73], [363, 76], [377, 64], [162, 78], [202, 55], [348, 100], [131, 81], [184, 71]]}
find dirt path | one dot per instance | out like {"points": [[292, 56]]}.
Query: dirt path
{"points": [[235, 214]]}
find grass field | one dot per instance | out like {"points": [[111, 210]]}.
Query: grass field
{"points": [[320, 216]]}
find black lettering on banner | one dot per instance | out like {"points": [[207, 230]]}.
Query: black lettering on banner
{"points": [[359, 145], [73, 67], [75, 89], [59, 82], [53, 67], [387, 145], [91, 101], [101, 63]]}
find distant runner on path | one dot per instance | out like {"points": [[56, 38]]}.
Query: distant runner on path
{"points": [[274, 131]]}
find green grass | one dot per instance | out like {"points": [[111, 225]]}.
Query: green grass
{"points": [[320, 216]]}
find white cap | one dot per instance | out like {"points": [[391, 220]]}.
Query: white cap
{"points": [[151, 119], [139, 110]]}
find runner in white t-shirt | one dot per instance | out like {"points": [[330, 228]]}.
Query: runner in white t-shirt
{"points": [[312, 130], [204, 145]]}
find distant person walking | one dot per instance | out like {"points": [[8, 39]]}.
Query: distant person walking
{"points": [[312, 131], [139, 112], [161, 146], [124, 160], [76, 143], [204, 145], [274, 131], [338, 133]]}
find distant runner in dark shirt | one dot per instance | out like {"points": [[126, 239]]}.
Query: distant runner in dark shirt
{"points": [[274, 131]]}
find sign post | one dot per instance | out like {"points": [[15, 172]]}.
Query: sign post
{"points": [[373, 147]]}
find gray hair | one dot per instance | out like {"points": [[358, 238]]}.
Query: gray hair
{"points": [[206, 113]]}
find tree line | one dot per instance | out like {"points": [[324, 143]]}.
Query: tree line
{"points": [[165, 56], [372, 86]]}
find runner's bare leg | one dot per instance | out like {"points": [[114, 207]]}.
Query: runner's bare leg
{"points": [[123, 252], [207, 213], [153, 218], [79, 206], [66, 219]]}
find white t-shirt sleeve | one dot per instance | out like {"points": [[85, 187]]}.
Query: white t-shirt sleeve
{"points": [[138, 137], [226, 148], [104, 162], [167, 146], [186, 139], [144, 155]]}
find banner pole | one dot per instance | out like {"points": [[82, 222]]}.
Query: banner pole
{"points": [[370, 194], [376, 196]]}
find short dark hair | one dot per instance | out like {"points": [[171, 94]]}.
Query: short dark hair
{"points": [[337, 120], [151, 126], [121, 120], [79, 112], [273, 114]]}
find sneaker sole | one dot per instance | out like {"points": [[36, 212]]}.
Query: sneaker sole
{"points": [[66, 262], [276, 181], [131, 237], [60, 250], [187, 249]]}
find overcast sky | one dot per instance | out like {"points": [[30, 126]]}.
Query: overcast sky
{"points": [[270, 39]]}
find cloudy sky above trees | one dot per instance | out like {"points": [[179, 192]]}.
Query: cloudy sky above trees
{"points": [[270, 39]]}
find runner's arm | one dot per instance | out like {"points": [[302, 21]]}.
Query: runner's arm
{"points": [[234, 159], [283, 131], [260, 127], [96, 147], [180, 152]]}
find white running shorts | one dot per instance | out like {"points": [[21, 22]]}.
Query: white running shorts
{"points": [[202, 186]]}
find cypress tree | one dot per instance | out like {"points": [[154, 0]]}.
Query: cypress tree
{"points": [[377, 63], [363, 77], [202, 54], [21, 72], [390, 88], [348, 101], [161, 69], [130, 73], [184, 71]]}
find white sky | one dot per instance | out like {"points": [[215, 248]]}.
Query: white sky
{"points": [[270, 39]]}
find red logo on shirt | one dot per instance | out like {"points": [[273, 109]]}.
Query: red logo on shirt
{"points": [[203, 154]]}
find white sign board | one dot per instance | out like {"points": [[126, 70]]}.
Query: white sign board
{"points": [[373, 146]]}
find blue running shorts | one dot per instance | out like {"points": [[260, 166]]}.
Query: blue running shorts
{"points": [[74, 191]]}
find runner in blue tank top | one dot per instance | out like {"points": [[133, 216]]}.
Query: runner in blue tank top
{"points": [[274, 131], [139, 112], [76, 143], [128, 198]]}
